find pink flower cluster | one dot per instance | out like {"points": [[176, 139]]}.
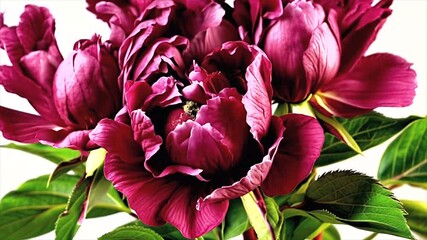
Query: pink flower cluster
{"points": [[181, 94]]}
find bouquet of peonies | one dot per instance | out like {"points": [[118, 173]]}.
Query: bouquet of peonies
{"points": [[208, 119]]}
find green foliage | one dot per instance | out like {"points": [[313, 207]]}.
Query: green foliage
{"points": [[133, 232], [167, 231], [417, 216], [405, 159], [357, 200], [55, 155], [236, 221], [368, 131], [33, 208]]}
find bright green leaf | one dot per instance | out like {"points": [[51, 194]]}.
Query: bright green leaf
{"points": [[274, 216], [368, 131], [236, 221], [33, 208], [417, 216], [64, 167], [70, 220], [331, 233], [133, 232], [55, 155], [405, 159], [166, 230], [257, 216], [357, 200], [95, 160]]}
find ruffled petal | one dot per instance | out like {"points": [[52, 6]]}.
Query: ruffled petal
{"points": [[227, 114], [379, 80], [302, 141], [199, 146], [78, 139], [143, 133], [117, 138], [257, 100], [257, 173]]}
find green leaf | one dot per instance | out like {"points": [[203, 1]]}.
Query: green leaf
{"points": [[405, 159], [70, 220], [357, 200], [417, 216], [33, 208], [236, 221], [64, 167], [257, 216], [309, 228], [331, 233], [166, 230], [95, 160], [368, 131], [55, 155], [274, 216], [133, 232]]}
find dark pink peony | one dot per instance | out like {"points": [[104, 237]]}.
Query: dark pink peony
{"points": [[322, 46], [70, 95], [202, 133]]}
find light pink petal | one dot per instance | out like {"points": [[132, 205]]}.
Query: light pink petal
{"points": [[143, 133], [322, 58], [117, 139], [379, 80], [20, 126], [199, 146], [302, 141]]}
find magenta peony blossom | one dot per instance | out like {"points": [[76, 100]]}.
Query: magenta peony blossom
{"points": [[166, 18], [70, 95], [322, 54], [200, 134]]}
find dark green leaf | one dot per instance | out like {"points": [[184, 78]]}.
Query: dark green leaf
{"points": [[308, 228], [405, 159], [417, 216], [55, 155], [368, 131], [64, 167], [70, 220], [236, 221], [357, 200], [33, 208], [133, 232], [166, 230]]}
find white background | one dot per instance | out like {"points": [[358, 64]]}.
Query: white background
{"points": [[404, 34]]}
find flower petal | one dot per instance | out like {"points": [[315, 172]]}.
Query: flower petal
{"points": [[20, 126], [322, 58], [143, 133], [199, 146], [302, 141], [169, 199], [379, 80], [65, 139], [117, 138]]}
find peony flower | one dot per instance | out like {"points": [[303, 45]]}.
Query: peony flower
{"points": [[165, 18], [198, 135], [322, 55], [70, 95]]}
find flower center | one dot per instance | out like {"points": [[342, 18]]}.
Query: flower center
{"points": [[180, 115], [191, 108]]}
